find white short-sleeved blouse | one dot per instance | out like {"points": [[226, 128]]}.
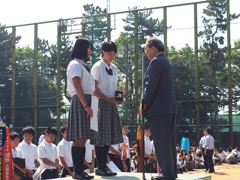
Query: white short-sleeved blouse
{"points": [[76, 68], [107, 84]]}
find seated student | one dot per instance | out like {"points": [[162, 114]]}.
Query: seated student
{"points": [[29, 151], [237, 153], [231, 159], [48, 155], [150, 156], [183, 163], [199, 161], [217, 158], [126, 162], [133, 164], [223, 153], [115, 155], [189, 161], [65, 153], [14, 136], [89, 162], [179, 164], [194, 154]]}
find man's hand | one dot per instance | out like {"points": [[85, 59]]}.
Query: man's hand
{"points": [[154, 157], [205, 152]]}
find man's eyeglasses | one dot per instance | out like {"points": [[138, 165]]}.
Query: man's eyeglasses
{"points": [[109, 71]]}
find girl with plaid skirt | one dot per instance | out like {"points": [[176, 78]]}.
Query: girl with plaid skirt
{"points": [[81, 86], [106, 77]]}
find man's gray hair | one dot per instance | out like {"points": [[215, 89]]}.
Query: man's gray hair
{"points": [[157, 43]]}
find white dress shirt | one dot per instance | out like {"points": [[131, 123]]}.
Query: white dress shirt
{"points": [[148, 144], [203, 141], [16, 153], [65, 150], [89, 149], [48, 151], [76, 69], [107, 84], [29, 153], [126, 140], [210, 142]]}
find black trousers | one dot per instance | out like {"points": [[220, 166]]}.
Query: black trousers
{"points": [[209, 160], [49, 174], [65, 172], [205, 159], [117, 161], [163, 132]]}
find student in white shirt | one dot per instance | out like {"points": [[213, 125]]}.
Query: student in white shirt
{"points": [[89, 162], [81, 86], [105, 74], [115, 155], [209, 147], [150, 156], [48, 155], [14, 136], [202, 145], [64, 153], [237, 153], [29, 151], [126, 163], [120, 159]]}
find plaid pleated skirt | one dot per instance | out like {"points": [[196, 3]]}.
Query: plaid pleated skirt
{"points": [[78, 122], [109, 127]]}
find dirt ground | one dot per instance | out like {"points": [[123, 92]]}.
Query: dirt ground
{"points": [[222, 172]]}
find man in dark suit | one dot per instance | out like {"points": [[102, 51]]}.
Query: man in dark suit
{"points": [[160, 107]]}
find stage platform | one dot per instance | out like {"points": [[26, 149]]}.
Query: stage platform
{"points": [[138, 176]]}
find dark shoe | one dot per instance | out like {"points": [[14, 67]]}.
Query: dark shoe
{"points": [[81, 176], [110, 172], [159, 177], [102, 172], [91, 177]]}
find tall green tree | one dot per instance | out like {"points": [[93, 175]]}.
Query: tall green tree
{"points": [[129, 58], [96, 28], [5, 71], [215, 25]]}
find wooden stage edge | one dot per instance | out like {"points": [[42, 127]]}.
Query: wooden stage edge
{"points": [[138, 176]]}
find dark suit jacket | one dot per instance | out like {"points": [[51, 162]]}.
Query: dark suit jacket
{"points": [[159, 94]]}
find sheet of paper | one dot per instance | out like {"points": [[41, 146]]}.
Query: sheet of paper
{"points": [[94, 119], [113, 167], [38, 173]]}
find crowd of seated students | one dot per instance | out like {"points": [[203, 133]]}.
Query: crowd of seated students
{"points": [[193, 159]]}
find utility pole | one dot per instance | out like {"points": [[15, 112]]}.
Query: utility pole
{"points": [[108, 6]]}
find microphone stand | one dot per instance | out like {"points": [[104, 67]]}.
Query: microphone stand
{"points": [[143, 146]]}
